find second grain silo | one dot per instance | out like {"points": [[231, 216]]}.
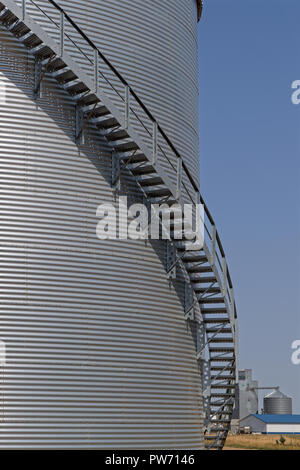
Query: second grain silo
{"points": [[277, 403]]}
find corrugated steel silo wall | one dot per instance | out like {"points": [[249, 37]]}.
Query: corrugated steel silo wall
{"points": [[98, 353]]}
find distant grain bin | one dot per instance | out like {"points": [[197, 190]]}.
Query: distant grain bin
{"points": [[276, 403]]}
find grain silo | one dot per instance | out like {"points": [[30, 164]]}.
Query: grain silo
{"points": [[109, 343]]}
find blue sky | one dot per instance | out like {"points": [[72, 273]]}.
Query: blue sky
{"points": [[250, 172]]}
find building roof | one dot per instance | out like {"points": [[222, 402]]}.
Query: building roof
{"points": [[279, 419]]}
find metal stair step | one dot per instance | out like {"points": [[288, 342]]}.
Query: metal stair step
{"points": [[226, 416], [64, 75], [99, 111], [204, 280], [194, 258], [222, 395], [142, 170], [223, 377], [212, 436], [126, 147], [217, 428], [222, 359], [221, 339], [219, 368], [203, 291], [88, 100], [213, 310], [137, 158], [56, 64], [182, 248], [76, 89], [219, 349], [216, 330], [158, 192], [106, 124], [199, 269], [211, 300], [169, 200], [216, 320], [117, 135], [153, 181], [20, 29], [221, 387], [8, 18], [43, 52], [31, 41], [217, 404]]}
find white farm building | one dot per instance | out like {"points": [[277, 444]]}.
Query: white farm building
{"points": [[272, 424]]}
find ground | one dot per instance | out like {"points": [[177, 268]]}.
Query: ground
{"points": [[262, 442]]}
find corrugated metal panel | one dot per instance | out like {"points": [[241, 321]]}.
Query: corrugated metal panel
{"points": [[98, 353]]}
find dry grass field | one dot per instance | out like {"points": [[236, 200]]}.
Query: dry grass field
{"points": [[262, 442]]}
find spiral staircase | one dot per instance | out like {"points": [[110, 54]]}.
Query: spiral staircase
{"points": [[104, 99]]}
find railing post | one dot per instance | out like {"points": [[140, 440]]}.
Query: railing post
{"points": [[236, 347], [154, 144], [231, 294], [224, 268], [127, 106], [24, 9], [62, 33], [179, 178], [96, 69], [213, 244]]}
